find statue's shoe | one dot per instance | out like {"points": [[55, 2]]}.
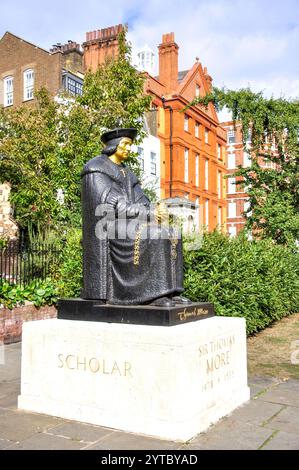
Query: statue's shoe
{"points": [[179, 299], [163, 302]]}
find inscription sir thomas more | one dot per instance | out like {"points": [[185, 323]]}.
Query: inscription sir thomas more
{"points": [[94, 365], [196, 312]]}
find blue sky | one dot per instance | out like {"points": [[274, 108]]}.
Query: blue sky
{"points": [[242, 42]]}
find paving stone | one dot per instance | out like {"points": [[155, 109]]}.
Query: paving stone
{"points": [[9, 392], [255, 412], [20, 425], [46, 442], [291, 384], [256, 390], [281, 395], [124, 441], [264, 382], [11, 369], [5, 443], [231, 435], [283, 441], [80, 431], [4, 411], [287, 420]]}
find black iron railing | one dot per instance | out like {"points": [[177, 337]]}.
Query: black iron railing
{"points": [[21, 263]]}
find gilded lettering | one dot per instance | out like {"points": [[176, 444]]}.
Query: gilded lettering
{"points": [[60, 358], [196, 312], [79, 363], [96, 366], [115, 368], [104, 369], [67, 361], [128, 369], [210, 365]]}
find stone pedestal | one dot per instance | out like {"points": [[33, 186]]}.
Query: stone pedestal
{"points": [[170, 383]]}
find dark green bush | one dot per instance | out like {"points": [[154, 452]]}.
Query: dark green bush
{"points": [[257, 280], [69, 272]]}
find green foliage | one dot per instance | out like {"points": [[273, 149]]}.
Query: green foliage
{"points": [[69, 273], [115, 92], [43, 147], [257, 280], [38, 292], [273, 193]]}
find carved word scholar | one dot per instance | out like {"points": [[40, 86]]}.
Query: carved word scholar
{"points": [[95, 365]]}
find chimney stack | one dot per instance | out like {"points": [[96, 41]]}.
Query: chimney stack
{"points": [[101, 45], [208, 78], [168, 62]]}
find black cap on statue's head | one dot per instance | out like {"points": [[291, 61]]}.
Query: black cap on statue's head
{"points": [[130, 132]]}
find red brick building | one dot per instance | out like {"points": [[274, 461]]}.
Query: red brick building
{"points": [[25, 67], [193, 143], [238, 155]]}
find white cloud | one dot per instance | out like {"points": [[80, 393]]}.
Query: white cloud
{"points": [[242, 42]]}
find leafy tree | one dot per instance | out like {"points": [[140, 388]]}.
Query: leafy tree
{"points": [[44, 147], [273, 125]]}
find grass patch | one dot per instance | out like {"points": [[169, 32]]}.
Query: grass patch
{"points": [[269, 351]]}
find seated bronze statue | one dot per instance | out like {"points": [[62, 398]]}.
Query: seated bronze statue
{"points": [[129, 256]]}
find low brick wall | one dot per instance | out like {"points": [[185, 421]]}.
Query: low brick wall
{"points": [[11, 321]]}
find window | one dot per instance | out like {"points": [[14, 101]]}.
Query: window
{"points": [[206, 174], [219, 216], [197, 129], [231, 136], [197, 209], [197, 170], [219, 152], [140, 152], [207, 213], [232, 209], [186, 123], [153, 163], [231, 185], [186, 165], [246, 159], [74, 87], [246, 208], [231, 161], [232, 231], [248, 138], [219, 184], [197, 91], [8, 91], [206, 135], [28, 84]]}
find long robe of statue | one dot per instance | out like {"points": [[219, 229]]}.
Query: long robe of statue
{"points": [[131, 268]]}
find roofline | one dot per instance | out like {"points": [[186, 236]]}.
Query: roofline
{"points": [[24, 40], [193, 107], [153, 78]]}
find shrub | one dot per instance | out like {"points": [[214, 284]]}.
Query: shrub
{"points": [[257, 280], [69, 272], [38, 292]]}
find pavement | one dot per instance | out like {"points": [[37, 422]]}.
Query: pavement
{"points": [[269, 421]]}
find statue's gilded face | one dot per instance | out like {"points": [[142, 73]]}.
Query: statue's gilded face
{"points": [[123, 148]]}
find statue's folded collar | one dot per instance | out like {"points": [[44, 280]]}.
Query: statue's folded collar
{"points": [[103, 164]]}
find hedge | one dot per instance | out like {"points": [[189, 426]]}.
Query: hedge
{"points": [[257, 280]]}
